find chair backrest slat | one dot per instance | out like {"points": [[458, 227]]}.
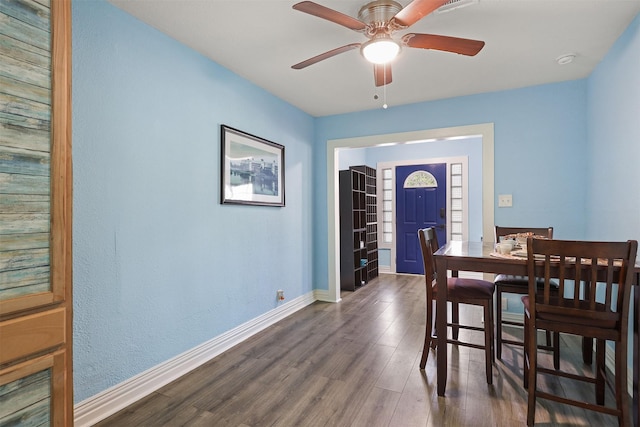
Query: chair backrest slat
{"points": [[609, 289]]}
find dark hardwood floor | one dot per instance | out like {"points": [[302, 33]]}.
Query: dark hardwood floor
{"points": [[355, 363]]}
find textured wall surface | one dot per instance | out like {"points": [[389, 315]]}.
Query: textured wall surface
{"points": [[614, 141], [159, 265]]}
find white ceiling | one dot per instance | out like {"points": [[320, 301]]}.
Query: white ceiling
{"points": [[261, 39]]}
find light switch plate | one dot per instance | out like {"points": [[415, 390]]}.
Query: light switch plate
{"points": [[505, 201]]}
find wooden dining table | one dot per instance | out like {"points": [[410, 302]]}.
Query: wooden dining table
{"points": [[458, 256]]}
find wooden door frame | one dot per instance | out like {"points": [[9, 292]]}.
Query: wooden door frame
{"points": [[54, 350], [333, 147]]}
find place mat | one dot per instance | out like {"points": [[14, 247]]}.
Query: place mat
{"points": [[570, 260], [517, 255]]}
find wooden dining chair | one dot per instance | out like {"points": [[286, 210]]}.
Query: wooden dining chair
{"points": [[594, 281], [460, 291], [510, 284]]}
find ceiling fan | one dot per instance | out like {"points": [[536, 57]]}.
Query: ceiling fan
{"points": [[378, 20]]}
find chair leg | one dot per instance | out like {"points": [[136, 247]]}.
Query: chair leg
{"points": [[600, 371], [622, 401], [548, 334], [488, 338], [556, 350], [493, 332], [532, 352], [455, 319], [525, 355], [498, 322], [427, 335]]}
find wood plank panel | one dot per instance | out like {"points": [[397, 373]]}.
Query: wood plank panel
{"points": [[27, 401], [24, 203], [15, 106], [24, 184], [20, 89], [32, 334], [25, 52], [24, 277], [11, 242], [18, 121], [16, 290], [24, 32], [26, 258], [23, 223], [28, 11], [26, 162], [25, 133], [24, 72]]}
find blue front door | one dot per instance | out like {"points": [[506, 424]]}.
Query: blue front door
{"points": [[421, 197]]}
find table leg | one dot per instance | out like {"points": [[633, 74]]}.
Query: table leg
{"points": [[441, 324]]}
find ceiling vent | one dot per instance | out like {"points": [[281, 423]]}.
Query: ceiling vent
{"points": [[455, 4]]}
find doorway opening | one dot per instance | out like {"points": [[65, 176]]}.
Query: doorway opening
{"points": [[485, 131]]}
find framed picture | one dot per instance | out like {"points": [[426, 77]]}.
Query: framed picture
{"points": [[252, 169]]}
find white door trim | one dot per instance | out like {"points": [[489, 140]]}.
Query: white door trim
{"points": [[484, 130]]}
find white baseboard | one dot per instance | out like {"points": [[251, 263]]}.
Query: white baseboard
{"points": [[322, 295], [106, 403], [610, 355]]}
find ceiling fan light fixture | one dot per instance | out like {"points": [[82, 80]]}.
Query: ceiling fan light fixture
{"points": [[381, 50]]}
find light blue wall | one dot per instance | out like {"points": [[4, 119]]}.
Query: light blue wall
{"points": [[613, 120], [353, 157], [540, 152], [159, 265]]}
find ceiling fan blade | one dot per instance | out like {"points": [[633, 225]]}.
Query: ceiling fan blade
{"points": [[448, 44], [382, 74], [415, 11], [330, 15], [325, 55]]}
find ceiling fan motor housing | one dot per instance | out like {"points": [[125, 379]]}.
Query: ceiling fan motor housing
{"points": [[377, 15]]}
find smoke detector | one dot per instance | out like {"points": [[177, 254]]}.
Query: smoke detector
{"points": [[565, 59], [455, 4]]}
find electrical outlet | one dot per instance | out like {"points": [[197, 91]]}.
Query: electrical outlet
{"points": [[505, 201], [280, 295], [505, 304]]}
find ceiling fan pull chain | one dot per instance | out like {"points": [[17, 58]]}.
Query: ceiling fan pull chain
{"points": [[384, 90]]}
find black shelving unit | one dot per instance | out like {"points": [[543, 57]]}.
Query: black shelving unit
{"points": [[358, 227]]}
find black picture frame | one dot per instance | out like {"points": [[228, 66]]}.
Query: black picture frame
{"points": [[251, 169]]}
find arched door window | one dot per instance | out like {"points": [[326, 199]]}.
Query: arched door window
{"points": [[420, 179]]}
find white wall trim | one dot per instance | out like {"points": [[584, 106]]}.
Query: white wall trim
{"points": [[324, 296], [108, 402], [610, 355]]}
